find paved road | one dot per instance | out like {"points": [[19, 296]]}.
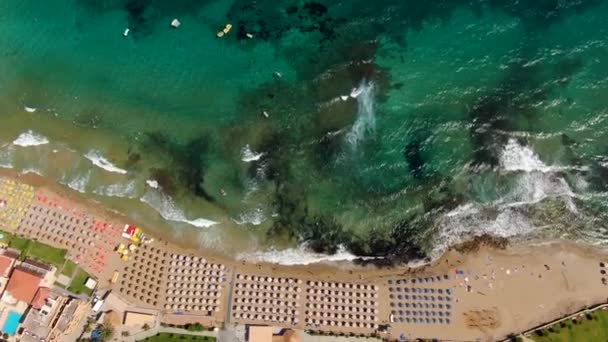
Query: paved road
{"points": [[229, 311]]}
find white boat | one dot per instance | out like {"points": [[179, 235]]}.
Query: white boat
{"points": [[126, 32]]}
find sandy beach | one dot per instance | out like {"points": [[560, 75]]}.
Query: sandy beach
{"points": [[479, 293]]}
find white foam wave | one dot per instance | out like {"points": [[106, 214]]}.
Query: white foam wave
{"points": [[152, 183], [508, 216], [537, 182], [32, 170], [366, 119], [469, 220], [167, 208], [124, 190], [98, 160], [534, 187], [516, 157], [79, 183], [254, 217], [6, 157], [297, 256], [30, 138], [247, 155]]}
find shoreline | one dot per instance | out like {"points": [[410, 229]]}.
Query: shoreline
{"points": [[470, 245], [493, 291]]}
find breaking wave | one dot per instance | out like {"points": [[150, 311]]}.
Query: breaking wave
{"points": [[98, 160], [152, 183], [254, 217], [30, 138], [247, 155], [167, 208], [32, 170], [508, 216], [298, 256], [79, 183], [124, 190]]}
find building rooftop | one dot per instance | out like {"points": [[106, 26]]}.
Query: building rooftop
{"points": [[23, 285], [40, 297], [6, 264]]}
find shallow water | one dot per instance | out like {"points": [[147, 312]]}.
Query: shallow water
{"points": [[391, 128]]}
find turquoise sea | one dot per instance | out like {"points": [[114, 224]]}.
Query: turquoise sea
{"points": [[368, 128]]}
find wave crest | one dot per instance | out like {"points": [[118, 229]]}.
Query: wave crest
{"points": [[30, 138], [298, 256], [247, 155], [167, 208], [98, 160]]}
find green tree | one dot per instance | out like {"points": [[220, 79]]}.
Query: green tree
{"points": [[195, 327], [106, 331]]}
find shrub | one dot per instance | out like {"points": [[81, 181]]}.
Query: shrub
{"points": [[195, 327]]}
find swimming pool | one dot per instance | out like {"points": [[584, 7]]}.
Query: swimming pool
{"points": [[11, 323]]}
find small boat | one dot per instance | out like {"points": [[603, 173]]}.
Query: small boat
{"points": [[249, 35], [224, 31], [29, 109], [222, 192], [265, 113], [175, 23], [126, 32]]}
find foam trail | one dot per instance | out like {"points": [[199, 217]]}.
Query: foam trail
{"points": [[79, 183], [32, 170], [6, 157], [98, 160], [29, 138], [366, 120], [165, 206], [254, 217], [298, 256], [247, 155], [127, 190]]}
